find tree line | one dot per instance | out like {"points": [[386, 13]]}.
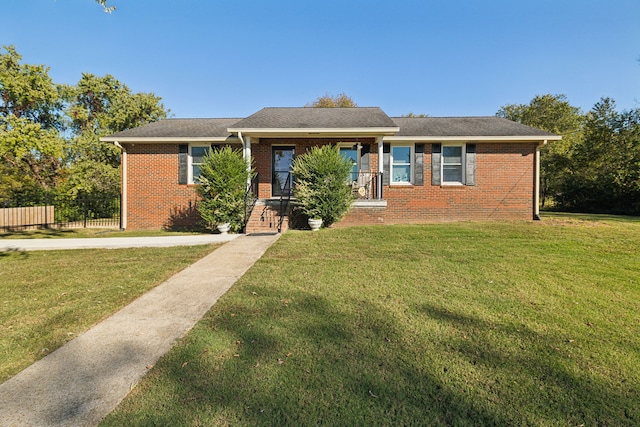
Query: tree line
{"points": [[596, 166], [50, 133]]}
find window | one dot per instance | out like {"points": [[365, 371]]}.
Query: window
{"points": [[401, 156], [452, 164], [197, 157]]}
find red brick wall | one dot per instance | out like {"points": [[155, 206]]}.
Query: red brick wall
{"points": [[154, 197], [503, 190]]}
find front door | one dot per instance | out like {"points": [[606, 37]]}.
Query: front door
{"points": [[282, 161]]}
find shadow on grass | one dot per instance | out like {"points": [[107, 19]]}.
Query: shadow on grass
{"points": [[538, 373], [13, 252], [42, 233], [305, 362], [549, 214]]}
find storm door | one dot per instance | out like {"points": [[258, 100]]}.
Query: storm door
{"points": [[281, 178]]}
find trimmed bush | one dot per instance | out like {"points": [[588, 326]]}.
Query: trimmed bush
{"points": [[223, 186], [321, 176]]}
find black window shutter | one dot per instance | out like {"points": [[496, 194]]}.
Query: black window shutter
{"points": [[471, 164], [183, 164], [386, 159], [365, 166], [436, 153], [419, 163]]}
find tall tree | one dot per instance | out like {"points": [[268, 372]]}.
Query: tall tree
{"points": [[328, 101], [551, 113], [605, 171], [30, 142], [98, 106]]}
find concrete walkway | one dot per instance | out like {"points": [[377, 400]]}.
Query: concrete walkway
{"points": [[81, 382], [112, 242]]}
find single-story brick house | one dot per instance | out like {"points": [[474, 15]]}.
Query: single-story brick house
{"points": [[405, 169]]}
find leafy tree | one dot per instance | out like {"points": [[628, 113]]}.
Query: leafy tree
{"points": [[99, 106], [223, 186], [30, 143], [49, 134], [27, 91], [605, 169], [328, 101], [321, 183], [410, 114], [551, 113]]}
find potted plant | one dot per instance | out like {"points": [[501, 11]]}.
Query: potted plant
{"points": [[223, 186], [322, 191]]}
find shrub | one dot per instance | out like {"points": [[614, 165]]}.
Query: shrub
{"points": [[223, 186], [321, 183]]}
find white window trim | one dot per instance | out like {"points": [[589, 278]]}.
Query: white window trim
{"points": [[463, 164], [190, 161], [412, 166]]}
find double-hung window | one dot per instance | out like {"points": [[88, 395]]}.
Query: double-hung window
{"points": [[197, 157], [453, 164], [401, 164]]}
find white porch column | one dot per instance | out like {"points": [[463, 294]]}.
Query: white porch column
{"points": [[246, 154]]}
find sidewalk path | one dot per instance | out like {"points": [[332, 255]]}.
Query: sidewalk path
{"points": [[81, 382], [112, 242]]}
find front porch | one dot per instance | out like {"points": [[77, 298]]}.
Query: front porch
{"points": [[278, 214]]}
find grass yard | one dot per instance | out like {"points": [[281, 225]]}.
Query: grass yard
{"points": [[523, 323], [49, 297], [62, 233]]}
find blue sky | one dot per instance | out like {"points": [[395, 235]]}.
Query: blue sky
{"points": [[230, 58]]}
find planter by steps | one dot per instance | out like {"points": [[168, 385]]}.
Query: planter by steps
{"points": [[223, 228], [315, 224]]}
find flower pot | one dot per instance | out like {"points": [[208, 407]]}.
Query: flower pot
{"points": [[315, 224], [223, 228]]}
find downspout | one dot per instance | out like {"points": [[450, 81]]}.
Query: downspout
{"points": [[123, 201], [380, 141], [536, 183]]}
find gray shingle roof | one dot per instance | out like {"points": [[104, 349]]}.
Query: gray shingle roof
{"points": [[464, 126], [180, 128], [333, 118], [316, 118]]}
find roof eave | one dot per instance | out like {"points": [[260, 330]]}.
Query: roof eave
{"points": [[315, 132], [498, 138], [167, 139]]}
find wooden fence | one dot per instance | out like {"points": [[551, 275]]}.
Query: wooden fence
{"points": [[25, 217]]}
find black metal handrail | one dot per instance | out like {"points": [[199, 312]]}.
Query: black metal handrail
{"points": [[285, 199]]}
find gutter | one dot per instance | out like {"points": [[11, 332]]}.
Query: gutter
{"points": [[123, 185]]}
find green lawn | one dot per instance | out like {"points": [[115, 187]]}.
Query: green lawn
{"points": [[61, 233], [520, 323], [49, 297]]}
